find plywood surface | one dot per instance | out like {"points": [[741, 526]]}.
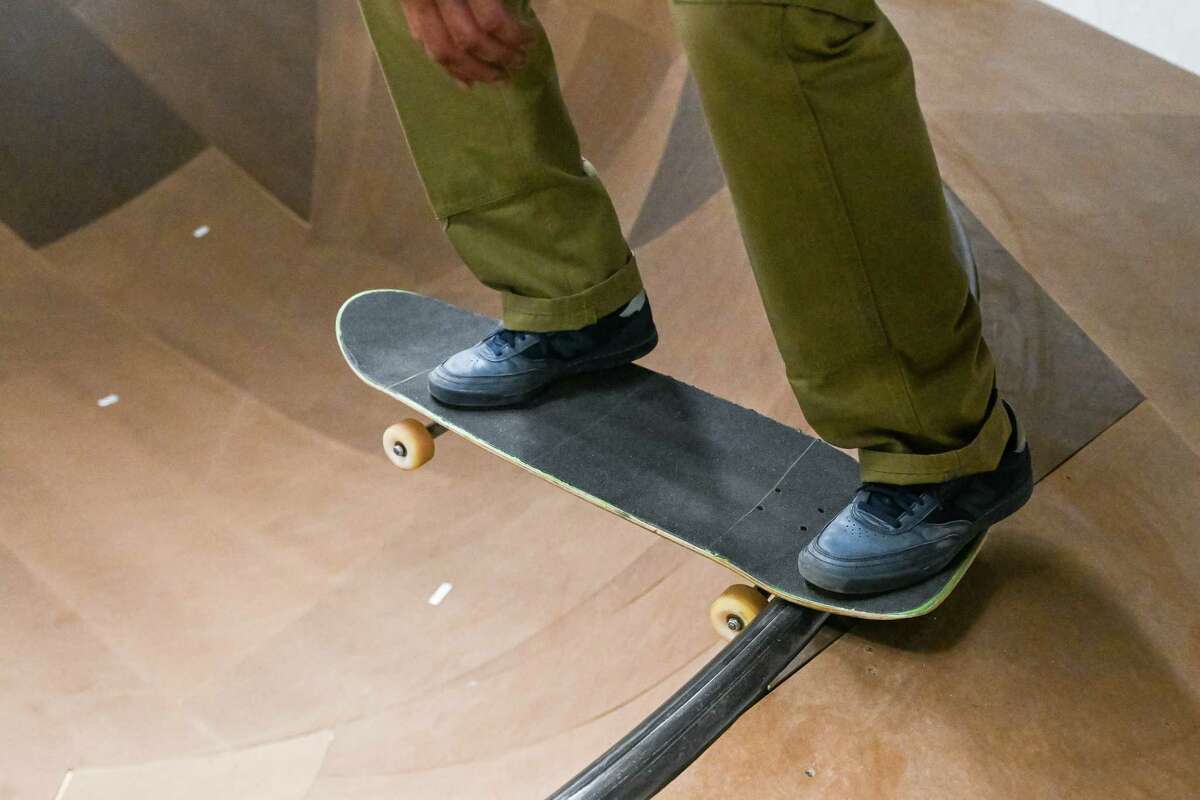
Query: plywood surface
{"points": [[222, 561]]}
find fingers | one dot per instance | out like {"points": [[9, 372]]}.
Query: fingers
{"points": [[412, 15], [472, 37], [474, 41], [494, 19], [429, 28]]}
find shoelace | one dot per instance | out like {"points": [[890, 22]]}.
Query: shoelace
{"points": [[890, 502], [502, 340]]}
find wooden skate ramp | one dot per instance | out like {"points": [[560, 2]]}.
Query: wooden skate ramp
{"points": [[215, 585]]}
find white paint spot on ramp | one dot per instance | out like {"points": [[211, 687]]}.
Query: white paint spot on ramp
{"points": [[201, 232], [108, 400], [66, 784], [439, 594]]}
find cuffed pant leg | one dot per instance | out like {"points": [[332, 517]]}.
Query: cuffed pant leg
{"points": [[813, 110], [502, 169]]}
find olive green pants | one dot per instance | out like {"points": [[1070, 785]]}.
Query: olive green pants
{"points": [[814, 113]]}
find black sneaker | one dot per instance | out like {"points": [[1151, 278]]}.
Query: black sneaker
{"points": [[890, 537], [511, 367]]}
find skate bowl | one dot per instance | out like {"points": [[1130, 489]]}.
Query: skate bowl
{"points": [[216, 585]]}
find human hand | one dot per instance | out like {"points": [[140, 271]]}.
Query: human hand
{"points": [[476, 41]]}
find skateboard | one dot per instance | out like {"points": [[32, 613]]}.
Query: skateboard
{"points": [[724, 481]]}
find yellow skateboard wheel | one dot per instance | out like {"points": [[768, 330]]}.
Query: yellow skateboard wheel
{"points": [[408, 444], [735, 608]]}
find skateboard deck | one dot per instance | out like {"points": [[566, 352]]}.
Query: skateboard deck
{"points": [[726, 482]]}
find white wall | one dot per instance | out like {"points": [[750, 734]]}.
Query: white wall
{"points": [[1170, 29]]}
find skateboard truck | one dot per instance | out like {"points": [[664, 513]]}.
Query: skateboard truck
{"points": [[409, 443]]}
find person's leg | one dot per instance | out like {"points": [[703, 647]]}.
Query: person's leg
{"points": [[502, 169], [814, 113], [813, 110]]}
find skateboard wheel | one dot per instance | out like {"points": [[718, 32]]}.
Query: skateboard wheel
{"points": [[408, 444], [735, 608]]}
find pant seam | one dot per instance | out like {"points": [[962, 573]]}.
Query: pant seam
{"points": [[506, 90], [863, 272]]}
